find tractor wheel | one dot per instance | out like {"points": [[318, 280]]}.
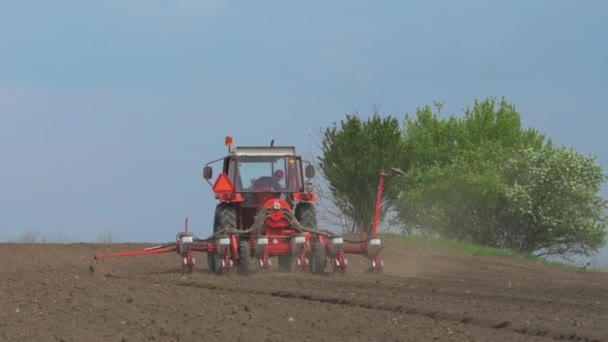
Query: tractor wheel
{"points": [[213, 262], [225, 216], [306, 215], [318, 261], [244, 262], [212, 259]]}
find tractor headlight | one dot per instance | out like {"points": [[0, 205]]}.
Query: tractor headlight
{"points": [[309, 187]]}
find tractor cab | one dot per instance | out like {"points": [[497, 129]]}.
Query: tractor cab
{"points": [[251, 175]]}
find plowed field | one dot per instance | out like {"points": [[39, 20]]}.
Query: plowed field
{"points": [[48, 293]]}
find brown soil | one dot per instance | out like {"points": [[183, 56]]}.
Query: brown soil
{"points": [[50, 294]]}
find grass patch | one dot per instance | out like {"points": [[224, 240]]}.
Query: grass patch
{"points": [[468, 248]]}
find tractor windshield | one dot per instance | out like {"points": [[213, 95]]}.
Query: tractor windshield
{"points": [[268, 173]]}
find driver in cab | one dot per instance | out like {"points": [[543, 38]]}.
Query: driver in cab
{"points": [[270, 181]]}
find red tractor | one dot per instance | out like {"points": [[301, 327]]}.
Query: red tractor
{"points": [[266, 208], [266, 202]]}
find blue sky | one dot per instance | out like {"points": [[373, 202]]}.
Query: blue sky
{"points": [[109, 109]]}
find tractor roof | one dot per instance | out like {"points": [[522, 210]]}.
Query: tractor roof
{"points": [[264, 151]]}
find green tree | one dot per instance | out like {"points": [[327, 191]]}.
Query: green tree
{"points": [[480, 177], [454, 175], [485, 179], [552, 203], [353, 153]]}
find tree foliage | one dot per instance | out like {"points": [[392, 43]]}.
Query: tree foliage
{"points": [[480, 177], [353, 153], [483, 178], [552, 203], [454, 176]]}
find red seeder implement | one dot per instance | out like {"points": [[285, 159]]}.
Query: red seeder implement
{"points": [[273, 216], [184, 246], [227, 250]]}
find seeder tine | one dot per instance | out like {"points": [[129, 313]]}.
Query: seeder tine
{"points": [[223, 253], [374, 248], [335, 247]]}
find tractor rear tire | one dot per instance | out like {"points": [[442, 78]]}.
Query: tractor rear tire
{"points": [[226, 214], [244, 262], [318, 259], [306, 214], [212, 259], [225, 217]]}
